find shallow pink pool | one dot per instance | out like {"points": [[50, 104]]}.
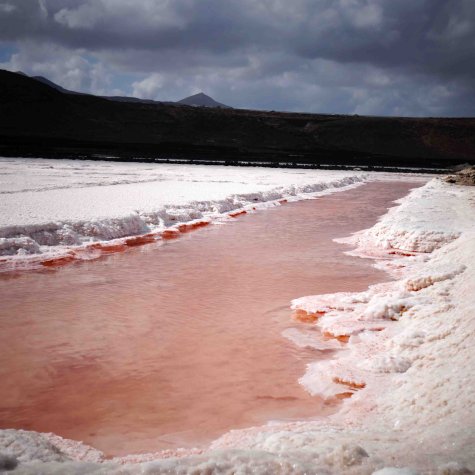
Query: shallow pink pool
{"points": [[172, 345]]}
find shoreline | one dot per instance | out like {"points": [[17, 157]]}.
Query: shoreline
{"points": [[408, 401], [370, 432], [283, 164]]}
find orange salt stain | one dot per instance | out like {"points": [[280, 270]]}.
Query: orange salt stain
{"points": [[107, 248], [399, 252], [402, 311], [140, 240], [120, 247], [283, 201], [342, 338], [58, 261], [350, 384], [343, 395], [336, 399], [237, 213], [170, 234], [185, 228], [306, 317]]}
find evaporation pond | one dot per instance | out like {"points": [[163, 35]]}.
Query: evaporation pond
{"points": [[175, 344]]}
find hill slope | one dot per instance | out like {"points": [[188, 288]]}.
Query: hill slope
{"points": [[53, 85], [198, 100], [37, 119]]}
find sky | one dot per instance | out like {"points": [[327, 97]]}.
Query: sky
{"points": [[374, 57]]}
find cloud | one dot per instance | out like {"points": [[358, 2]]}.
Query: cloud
{"points": [[118, 16], [6, 8], [363, 56], [150, 87], [70, 69], [85, 16]]}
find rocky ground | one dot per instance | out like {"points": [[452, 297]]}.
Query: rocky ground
{"points": [[465, 176]]}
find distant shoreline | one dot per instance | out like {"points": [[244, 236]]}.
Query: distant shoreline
{"points": [[242, 163]]}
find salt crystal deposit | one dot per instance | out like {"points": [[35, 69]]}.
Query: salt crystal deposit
{"points": [[50, 208], [405, 372]]}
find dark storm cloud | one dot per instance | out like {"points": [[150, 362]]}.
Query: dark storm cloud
{"points": [[366, 56], [150, 25]]}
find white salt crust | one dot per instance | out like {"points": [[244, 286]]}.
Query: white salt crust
{"points": [[414, 414], [50, 208]]}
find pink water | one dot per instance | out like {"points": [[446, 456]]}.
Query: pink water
{"points": [[172, 345]]}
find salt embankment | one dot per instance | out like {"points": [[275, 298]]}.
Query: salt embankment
{"points": [[56, 211], [407, 367], [410, 350]]}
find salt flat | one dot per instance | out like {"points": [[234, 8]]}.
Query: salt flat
{"points": [[49, 206], [36, 191]]}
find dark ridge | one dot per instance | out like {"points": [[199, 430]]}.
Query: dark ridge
{"points": [[202, 100], [198, 100], [39, 120], [53, 85], [134, 99]]}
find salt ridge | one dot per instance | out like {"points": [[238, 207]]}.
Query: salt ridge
{"points": [[40, 234]]}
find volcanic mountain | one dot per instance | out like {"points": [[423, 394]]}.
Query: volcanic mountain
{"points": [[202, 100]]}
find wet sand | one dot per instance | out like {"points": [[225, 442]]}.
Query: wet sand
{"points": [[173, 344]]}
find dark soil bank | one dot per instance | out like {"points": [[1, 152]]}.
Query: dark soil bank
{"points": [[39, 120]]}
